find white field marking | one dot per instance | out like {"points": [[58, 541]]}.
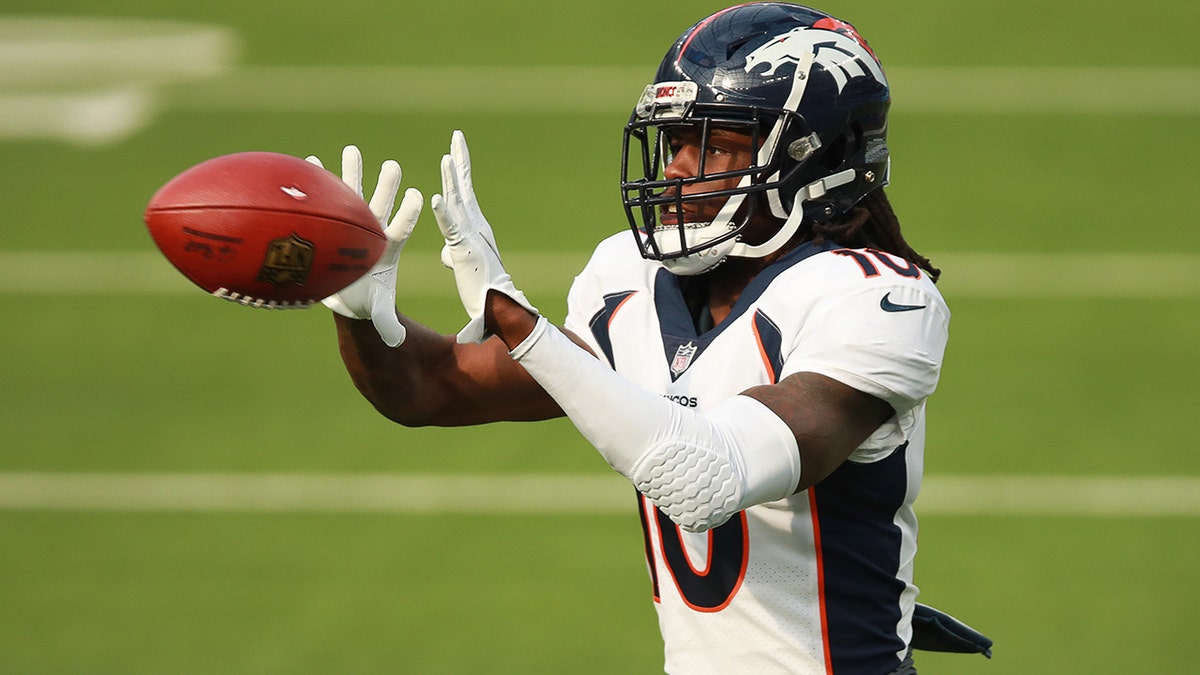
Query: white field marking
{"points": [[316, 493], [94, 81], [90, 53], [84, 110], [966, 275], [917, 89], [1046, 89], [1070, 275], [87, 118], [417, 89], [946, 495], [87, 53], [1060, 495]]}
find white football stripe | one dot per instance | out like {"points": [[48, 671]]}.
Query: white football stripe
{"points": [[942, 495], [966, 275]]}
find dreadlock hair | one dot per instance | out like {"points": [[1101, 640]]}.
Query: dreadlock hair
{"points": [[873, 224]]}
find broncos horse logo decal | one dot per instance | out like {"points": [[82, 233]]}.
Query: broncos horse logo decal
{"points": [[835, 47]]}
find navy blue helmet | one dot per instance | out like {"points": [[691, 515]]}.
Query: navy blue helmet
{"points": [[807, 89]]}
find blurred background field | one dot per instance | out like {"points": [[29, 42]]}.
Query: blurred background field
{"points": [[1043, 156]]}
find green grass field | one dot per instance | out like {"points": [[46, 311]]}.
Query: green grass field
{"points": [[1060, 217]]}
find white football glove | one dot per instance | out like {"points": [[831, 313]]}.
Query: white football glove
{"points": [[374, 295], [470, 248]]}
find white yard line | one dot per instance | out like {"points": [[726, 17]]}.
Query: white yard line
{"points": [[1060, 495], [195, 68], [1070, 275], [109, 109], [1000, 495], [315, 493], [982, 89], [1046, 89], [88, 81], [989, 275]]}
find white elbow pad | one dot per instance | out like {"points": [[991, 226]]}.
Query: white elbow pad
{"points": [[744, 455], [700, 469]]}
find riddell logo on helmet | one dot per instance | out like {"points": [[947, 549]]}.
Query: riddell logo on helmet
{"points": [[674, 92]]}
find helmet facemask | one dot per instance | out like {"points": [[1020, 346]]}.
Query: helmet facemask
{"points": [[693, 222]]}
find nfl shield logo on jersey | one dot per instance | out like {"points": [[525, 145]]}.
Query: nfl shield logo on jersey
{"points": [[683, 359]]}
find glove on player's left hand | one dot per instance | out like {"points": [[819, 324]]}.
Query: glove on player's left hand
{"points": [[470, 248], [374, 295]]}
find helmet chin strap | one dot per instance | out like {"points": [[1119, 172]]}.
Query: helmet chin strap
{"points": [[814, 190], [707, 259]]}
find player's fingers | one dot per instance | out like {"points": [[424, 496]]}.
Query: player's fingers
{"points": [[387, 324], [462, 160], [386, 188], [405, 220], [449, 179], [444, 219], [336, 303], [396, 338], [352, 168], [459, 194], [452, 194]]}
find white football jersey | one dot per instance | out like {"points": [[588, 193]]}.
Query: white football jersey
{"points": [[820, 582]]}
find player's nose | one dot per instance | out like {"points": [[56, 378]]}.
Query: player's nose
{"points": [[684, 163]]}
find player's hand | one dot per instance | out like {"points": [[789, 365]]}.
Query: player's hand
{"points": [[470, 248], [374, 295]]}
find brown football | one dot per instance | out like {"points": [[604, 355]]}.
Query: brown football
{"points": [[264, 229]]}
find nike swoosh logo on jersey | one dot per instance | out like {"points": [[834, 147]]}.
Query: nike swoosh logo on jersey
{"points": [[887, 305]]}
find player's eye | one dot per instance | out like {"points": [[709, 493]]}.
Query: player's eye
{"points": [[673, 143]]}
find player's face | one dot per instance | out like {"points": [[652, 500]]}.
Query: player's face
{"points": [[725, 150]]}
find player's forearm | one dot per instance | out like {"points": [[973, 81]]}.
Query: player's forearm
{"points": [[389, 378], [431, 380]]}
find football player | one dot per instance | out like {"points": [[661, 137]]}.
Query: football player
{"points": [[754, 353]]}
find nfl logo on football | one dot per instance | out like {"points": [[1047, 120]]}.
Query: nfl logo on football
{"points": [[287, 261]]}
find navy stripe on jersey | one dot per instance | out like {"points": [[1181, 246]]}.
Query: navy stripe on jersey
{"points": [[770, 344], [679, 338], [675, 321], [599, 324], [649, 546], [860, 558]]}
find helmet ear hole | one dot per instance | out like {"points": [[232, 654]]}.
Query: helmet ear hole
{"points": [[835, 153], [856, 131]]}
